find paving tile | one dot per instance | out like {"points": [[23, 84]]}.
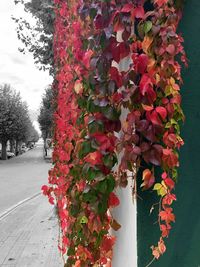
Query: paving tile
{"points": [[30, 236]]}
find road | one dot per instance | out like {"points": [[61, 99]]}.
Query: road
{"points": [[28, 229], [22, 177]]}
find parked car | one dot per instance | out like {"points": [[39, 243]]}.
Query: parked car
{"points": [[24, 149], [32, 145], [9, 154]]}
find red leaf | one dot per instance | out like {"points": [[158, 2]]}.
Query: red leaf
{"points": [[146, 87], [113, 200], [108, 242], [100, 22], [77, 263], [161, 2], [171, 140], [154, 118], [83, 253], [162, 112], [155, 252], [51, 200], [115, 76], [139, 12], [65, 241], [127, 8], [168, 199], [117, 97], [161, 246], [171, 49], [105, 142], [153, 155], [103, 260], [170, 158], [141, 63], [87, 58], [94, 158], [147, 108], [169, 183], [165, 230], [45, 190], [120, 51]]}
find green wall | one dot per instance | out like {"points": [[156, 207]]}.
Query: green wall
{"points": [[183, 245]]}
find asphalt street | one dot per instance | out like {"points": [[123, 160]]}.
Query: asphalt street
{"points": [[22, 177], [28, 224]]}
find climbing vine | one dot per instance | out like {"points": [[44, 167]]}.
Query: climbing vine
{"points": [[118, 109]]}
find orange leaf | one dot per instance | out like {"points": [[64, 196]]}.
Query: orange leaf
{"points": [[146, 43], [115, 225], [167, 215], [148, 179]]}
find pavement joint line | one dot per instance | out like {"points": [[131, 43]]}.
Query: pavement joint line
{"points": [[14, 207]]}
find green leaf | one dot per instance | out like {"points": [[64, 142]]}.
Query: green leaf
{"points": [[70, 251], [147, 26], [109, 161], [90, 197], [86, 148], [92, 174], [102, 186], [91, 107], [80, 120], [84, 220], [95, 126], [110, 183], [93, 13], [107, 185], [175, 174], [74, 210], [110, 113], [103, 206], [103, 40], [82, 103]]}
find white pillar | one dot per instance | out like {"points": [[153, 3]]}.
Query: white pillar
{"points": [[125, 249]]}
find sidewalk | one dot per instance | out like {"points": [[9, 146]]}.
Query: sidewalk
{"points": [[28, 236]]}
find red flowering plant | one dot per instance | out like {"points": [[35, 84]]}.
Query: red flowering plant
{"points": [[117, 83]]}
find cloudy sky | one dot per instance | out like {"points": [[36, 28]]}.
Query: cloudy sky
{"points": [[15, 68]]}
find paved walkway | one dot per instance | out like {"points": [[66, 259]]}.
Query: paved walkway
{"points": [[28, 236]]}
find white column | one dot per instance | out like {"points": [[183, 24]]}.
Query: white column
{"points": [[125, 249]]}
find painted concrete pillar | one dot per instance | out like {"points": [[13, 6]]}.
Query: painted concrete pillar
{"points": [[125, 250]]}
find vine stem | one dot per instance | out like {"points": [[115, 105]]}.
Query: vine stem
{"points": [[150, 262]]}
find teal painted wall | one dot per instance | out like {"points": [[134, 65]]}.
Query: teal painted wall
{"points": [[183, 245]]}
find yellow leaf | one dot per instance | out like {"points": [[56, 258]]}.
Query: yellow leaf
{"points": [[78, 87], [162, 192], [172, 81], [163, 184], [157, 78], [157, 186]]}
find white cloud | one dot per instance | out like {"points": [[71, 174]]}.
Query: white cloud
{"points": [[15, 68]]}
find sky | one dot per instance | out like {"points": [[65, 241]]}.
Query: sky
{"points": [[16, 68]]}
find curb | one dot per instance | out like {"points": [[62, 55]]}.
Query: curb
{"points": [[14, 207]]}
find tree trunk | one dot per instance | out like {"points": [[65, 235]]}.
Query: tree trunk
{"points": [[4, 151], [12, 143], [17, 148], [20, 147]]}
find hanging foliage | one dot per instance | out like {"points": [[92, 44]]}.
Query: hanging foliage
{"points": [[118, 93]]}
